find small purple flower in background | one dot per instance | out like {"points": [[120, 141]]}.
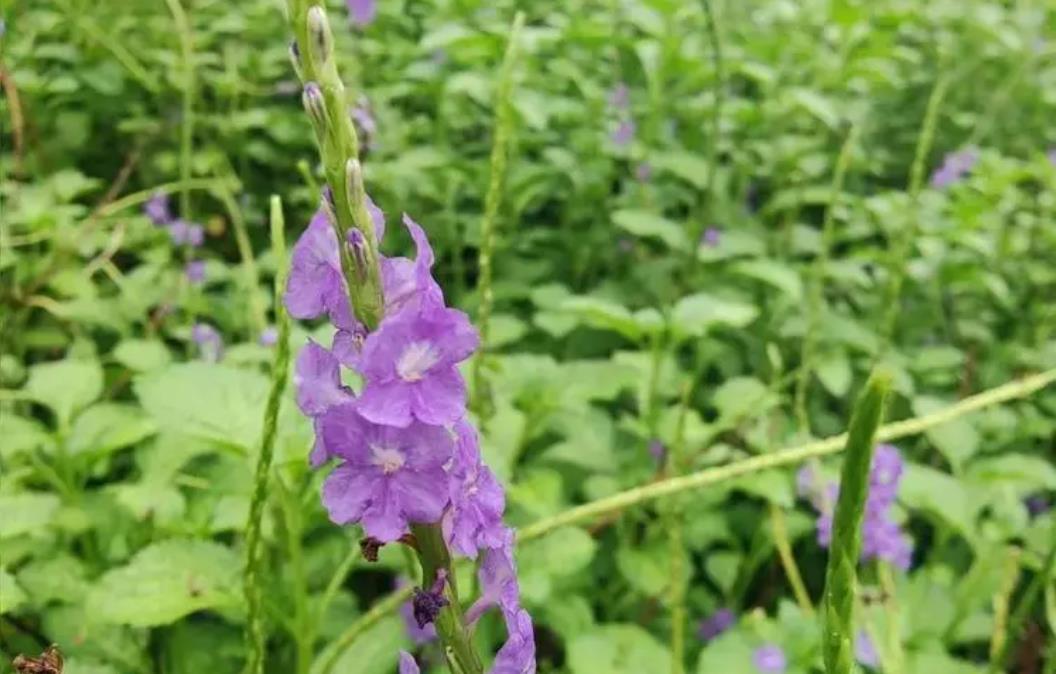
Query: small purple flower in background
{"points": [[710, 237], [620, 96], [657, 450], [882, 537], [407, 664], [438, 57], [643, 172], [366, 125], [1051, 154], [362, 12], [317, 379], [770, 659], [715, 624], [954, 167], [157, 209], [185, 233], [865, 651], [269, 336], [623, 134], [210, 343], [195, 271], [625, 244], [1037, 504]]}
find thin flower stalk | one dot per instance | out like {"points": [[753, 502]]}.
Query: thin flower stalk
{"points": [[186, 36], [279, 371], [841, 575], [504, 122]]}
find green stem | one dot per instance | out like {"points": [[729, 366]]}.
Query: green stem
{"points": [[492, 202], [303, 627], [841, 574], [257, 312], [340, 573], [717, 64], [434, 557], [788, 560], [1024, 607], [1002, 602], [279, 369], [183, 29], [894, 657], [900, 250], [816, 298]]}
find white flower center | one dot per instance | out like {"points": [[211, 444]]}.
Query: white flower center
{"points": [[416, 360], [389, 460]]}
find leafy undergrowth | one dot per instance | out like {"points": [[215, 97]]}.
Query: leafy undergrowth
{"points": [[716, 219]]}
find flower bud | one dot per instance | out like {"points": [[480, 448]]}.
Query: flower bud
{"points": [[328, 204], [320, 37], [357, 243], [295, 59], [354, 187], [315, 106]]}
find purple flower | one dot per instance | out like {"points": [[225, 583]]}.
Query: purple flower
{"points": [[195, 271], [210, 343], [620, 96], [623, 134], [770, 659], [517, 655], [362, 12], [408, 283], [643, 172], [157, 209], [864, 650], [498, 581], [409, 367], [474, 519], [711, 237], [317, 378], [1052, 156], [389, 476], [715, 624], [363, 118], [316, 284], [185, 233], [954, 167], [1037, 504], [269, 336], [407, 664], [657, 450]]}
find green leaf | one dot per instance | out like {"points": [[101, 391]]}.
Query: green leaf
{"points": [[833, 369], [506, 329], [617, 649], [780, 276], [543, 562], [211, 402], [941, 495], [374, 652], [957, 439], [739, 396], [65, 386], [1024, 472], [603, 314], [105, 427], [730, 653], [11, 594], [167, 581], [54, 579], [695, 315], [142, 355], [723, 566], [690, 167], [652, 226], [647, 566], [589, 440], [26, 512], [21, 435]]}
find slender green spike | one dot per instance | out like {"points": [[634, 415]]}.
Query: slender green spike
{"points": [[280, 367], [841, 575]]}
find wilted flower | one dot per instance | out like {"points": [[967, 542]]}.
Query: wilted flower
{"points": [[195, 271], [362, 12], [770, 659], [954, 167], [419, 635], [210, 343], [715, 624]]}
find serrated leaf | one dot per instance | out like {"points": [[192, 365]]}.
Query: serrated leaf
{"points": [[211, 402], [65, 386], [167, 581]]}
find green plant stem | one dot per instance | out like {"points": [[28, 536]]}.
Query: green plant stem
{"points": [[789, 456], [1002, 602], [302, 624], [279, 369], [433, 556], [492, 202], [257, 313], [1024, 606], [183, 30], [137, 198], [816, 287], [893, 655], [904, 240], [788, 560], [340, 573], [717, 63], [841, 575]]}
